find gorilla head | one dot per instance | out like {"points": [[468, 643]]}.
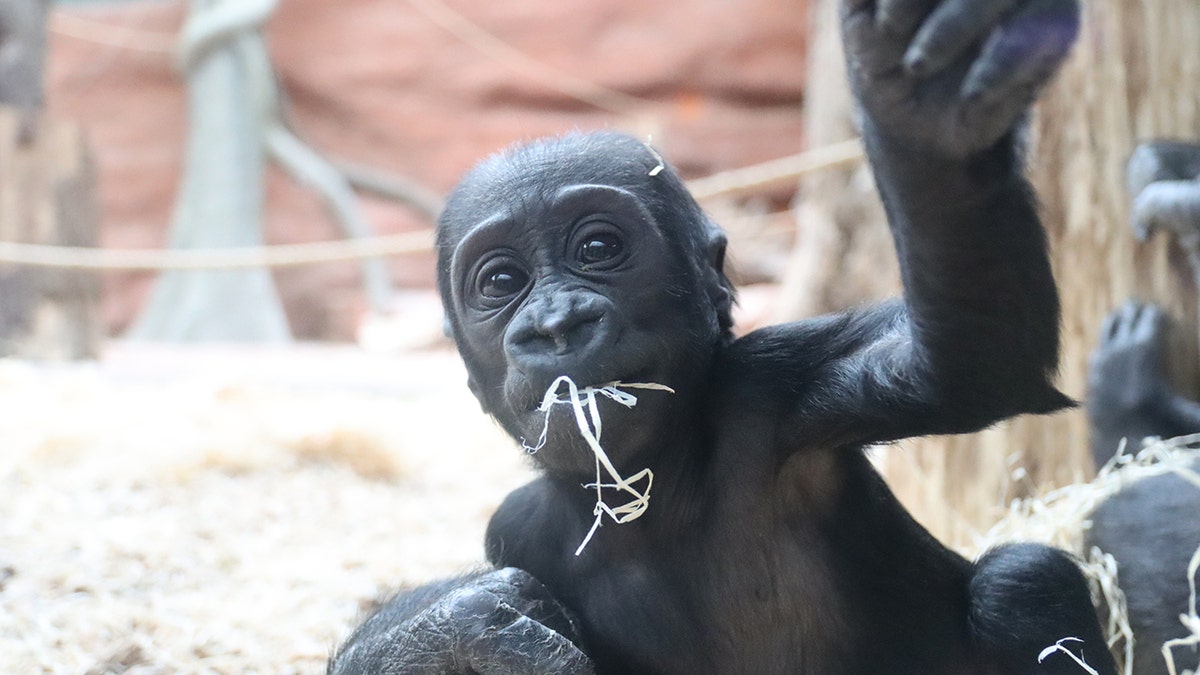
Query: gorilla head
{"points": [[575, 256]]}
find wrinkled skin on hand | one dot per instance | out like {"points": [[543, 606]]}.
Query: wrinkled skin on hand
{"points": [[500, 623], [921, 78]]}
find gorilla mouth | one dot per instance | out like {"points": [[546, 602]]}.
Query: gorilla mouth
{"points": [[585, 402], [538, 393]]}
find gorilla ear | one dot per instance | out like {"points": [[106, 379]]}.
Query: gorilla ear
{"points": [[715, 249], [447, 327], [718, 286]]}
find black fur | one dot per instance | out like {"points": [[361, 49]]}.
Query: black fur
{"points": [[770, 544], [1151, 527]]}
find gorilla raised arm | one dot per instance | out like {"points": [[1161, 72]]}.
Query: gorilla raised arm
{"points": [[768, 544]]}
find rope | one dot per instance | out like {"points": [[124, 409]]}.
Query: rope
{"points": [[759, 176], [492, 46], [112, 35], [212, 28], [470, 33], [726, 183], [284, 255]]}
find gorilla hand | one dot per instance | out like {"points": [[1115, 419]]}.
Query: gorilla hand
{"points": [[500, 623], [953, 76], [1163, 180]]}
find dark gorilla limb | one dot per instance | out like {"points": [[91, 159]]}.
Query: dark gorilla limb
{"points": [[769, 545], [1152, 527], [1129, 394], [1030, 576], [1163, 179], [497, 623]]}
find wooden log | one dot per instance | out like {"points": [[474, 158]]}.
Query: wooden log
{"points": [[47, 196]]}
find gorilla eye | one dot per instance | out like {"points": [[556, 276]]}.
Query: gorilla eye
{"points": [[600, 248], [502, 283]]}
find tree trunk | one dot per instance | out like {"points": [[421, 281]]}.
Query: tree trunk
{"points": [[220, 202]]}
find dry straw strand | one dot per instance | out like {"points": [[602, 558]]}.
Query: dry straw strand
{"points": [[1058, 647], [1061, 517], [591, 427], [1190, 620]]}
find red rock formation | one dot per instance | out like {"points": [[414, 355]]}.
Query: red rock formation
{"points": [[380, 83]]}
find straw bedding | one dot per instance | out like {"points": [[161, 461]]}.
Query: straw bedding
{"points": [[230, 519], [1061, 517]]}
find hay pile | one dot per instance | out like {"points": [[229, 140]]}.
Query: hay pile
{"points": [[1061, 517], [185, 512]]}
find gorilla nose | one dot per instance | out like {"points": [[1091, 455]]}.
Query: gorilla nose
{"points": [[559, 332], [569, 330]]}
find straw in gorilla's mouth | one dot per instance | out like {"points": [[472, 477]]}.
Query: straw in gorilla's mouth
{"points": [[589, 425]]}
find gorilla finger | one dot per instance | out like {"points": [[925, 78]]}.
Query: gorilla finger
{"points": [[506, 581], [515, 586], [520, 581], [949, 31], [1128, 318], [524, 647], [496, 638], [1154, 161], [1115, 326], [1142, 217], [426, 647], [1022, 53], [902, 17], [1108, 328], [1145, 166], [1168, 204], [866, 52], [1149, 324], [530, 597]]}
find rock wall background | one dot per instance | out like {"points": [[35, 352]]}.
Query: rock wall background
{"points": [[421, 90]]}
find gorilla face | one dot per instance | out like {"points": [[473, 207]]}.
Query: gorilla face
{"points": [[570, 273]]}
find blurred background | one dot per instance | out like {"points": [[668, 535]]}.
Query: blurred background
{"points": [[228, 417], [414, 94]]}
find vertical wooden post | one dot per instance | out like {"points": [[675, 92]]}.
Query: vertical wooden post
{"points": [[47, 196], [23, 59]]}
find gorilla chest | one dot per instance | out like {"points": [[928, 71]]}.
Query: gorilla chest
{"points": [[736, 595], [747, 580]]}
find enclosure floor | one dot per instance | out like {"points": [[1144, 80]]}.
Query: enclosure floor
{"points": [[230, 510]]}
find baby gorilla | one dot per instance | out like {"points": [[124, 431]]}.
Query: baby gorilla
{"points": [[768, 543]]}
